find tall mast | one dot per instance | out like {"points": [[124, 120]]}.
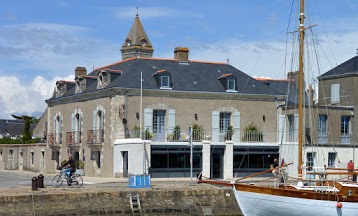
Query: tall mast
{"points": [[300, 88]]}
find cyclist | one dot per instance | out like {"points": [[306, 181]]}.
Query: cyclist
{"points": [[72, 166]]}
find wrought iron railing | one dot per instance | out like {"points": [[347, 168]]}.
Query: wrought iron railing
{"points": [[55, 138], [73, 138], [95, 136]]}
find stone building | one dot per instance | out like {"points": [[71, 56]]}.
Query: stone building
{"points": [[157, 100]]}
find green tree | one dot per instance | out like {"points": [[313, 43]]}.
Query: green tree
{"points": [[26, 136]]}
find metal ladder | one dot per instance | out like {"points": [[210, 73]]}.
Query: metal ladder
{"points": [[135, 204]]}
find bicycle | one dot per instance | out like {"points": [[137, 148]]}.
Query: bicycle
{"points": [[74, 180]]}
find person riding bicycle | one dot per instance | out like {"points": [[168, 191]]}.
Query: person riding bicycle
{"points": [[72, 166]]}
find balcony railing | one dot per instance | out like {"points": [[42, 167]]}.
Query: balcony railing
{"points": [[95, 136], [73, 138], [201, 135], [322, 138], [55, 138]]}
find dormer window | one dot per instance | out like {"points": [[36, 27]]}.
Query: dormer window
{"points": [[231, 85], [78, 86], [129, 42], [229, 82], [144, 42], [163, 79], [102, 80], [164, 82]]}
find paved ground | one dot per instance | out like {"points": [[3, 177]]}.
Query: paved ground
{"points": [[19, 182]]}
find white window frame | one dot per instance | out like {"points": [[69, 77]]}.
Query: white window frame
{"points": [[332, 159], [335, 96], [228, 85], [162, 82]]}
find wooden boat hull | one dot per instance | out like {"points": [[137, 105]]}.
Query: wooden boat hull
{"points": [[273, 202]]}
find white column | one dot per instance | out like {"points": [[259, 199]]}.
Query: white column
{"points": [[229, 160], [206, 158]]}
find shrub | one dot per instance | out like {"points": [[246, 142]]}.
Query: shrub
{"points": [[252, 134], [176, 133], [198, 133]]}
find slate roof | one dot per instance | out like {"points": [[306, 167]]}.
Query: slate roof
{"points": [[347, 68], [137, 34], [193, 76], [13, 128]]}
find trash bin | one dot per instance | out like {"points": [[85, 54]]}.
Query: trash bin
{"points": [[34, 183], [40, 181], [139, 181]]}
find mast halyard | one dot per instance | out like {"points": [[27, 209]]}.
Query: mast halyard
{"points": [[300, 89]]}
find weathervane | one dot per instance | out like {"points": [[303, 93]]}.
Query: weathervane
{"points": [[137, 10]]}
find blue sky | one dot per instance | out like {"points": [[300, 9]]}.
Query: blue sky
{"points": [[43, 41]]}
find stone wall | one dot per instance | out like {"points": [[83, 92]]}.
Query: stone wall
{"points": [[109, 202]]}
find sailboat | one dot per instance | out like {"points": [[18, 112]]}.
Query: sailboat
{"points": [[327, 198]]}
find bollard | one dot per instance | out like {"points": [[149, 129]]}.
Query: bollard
{"points": [[34, 183], [40, 181]]}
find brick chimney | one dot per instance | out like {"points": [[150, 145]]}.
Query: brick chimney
{"points": [[80, 71], [181, 54]]}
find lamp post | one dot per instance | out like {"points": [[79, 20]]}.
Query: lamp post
{"points": [[191, 153]]}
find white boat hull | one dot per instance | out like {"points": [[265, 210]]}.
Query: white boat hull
{"points": [[255, 204]]}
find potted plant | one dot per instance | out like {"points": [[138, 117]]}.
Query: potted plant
{"points": [[80, 167], [252, 134], [229, 133], [176, 133]]}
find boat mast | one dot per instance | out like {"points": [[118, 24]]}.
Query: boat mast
{"points": [[300, 88]]}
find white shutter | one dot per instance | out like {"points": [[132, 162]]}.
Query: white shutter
{"points": [[215, 126], [237, 128], [171, 121], [295, 121], [281, 128], [60, 126], [94, 124], [148, 119], [73, 122], [54, 124], [335, 97]]}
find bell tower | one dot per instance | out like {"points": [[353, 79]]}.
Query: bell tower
{"points": [[137, 43]]}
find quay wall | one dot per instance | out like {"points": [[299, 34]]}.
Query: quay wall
{"points": [[109, 202]]}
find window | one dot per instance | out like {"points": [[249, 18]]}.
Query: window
{"points": [[224, 121], [292, 129], [32, 158], [332, 159], [310, 160], [322, 128], [164, 82], [83, 155], [159, 125], [231, 85], [335, 93], [345, 129]]}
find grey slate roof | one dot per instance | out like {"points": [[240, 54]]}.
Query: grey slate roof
{"points": [[349, 67], [191, 76], [13, 128]]}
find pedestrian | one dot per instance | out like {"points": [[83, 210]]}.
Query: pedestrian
{"points": [[275, 167], [350, 168]]}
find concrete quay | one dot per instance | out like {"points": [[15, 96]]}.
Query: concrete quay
{"points": [[112, 196]]}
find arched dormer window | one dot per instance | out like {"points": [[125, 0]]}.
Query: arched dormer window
{"points": [[78, 86], [128, 42], [144, 42]]}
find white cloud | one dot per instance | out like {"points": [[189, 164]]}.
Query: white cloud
{"points": [[20, 99]]}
